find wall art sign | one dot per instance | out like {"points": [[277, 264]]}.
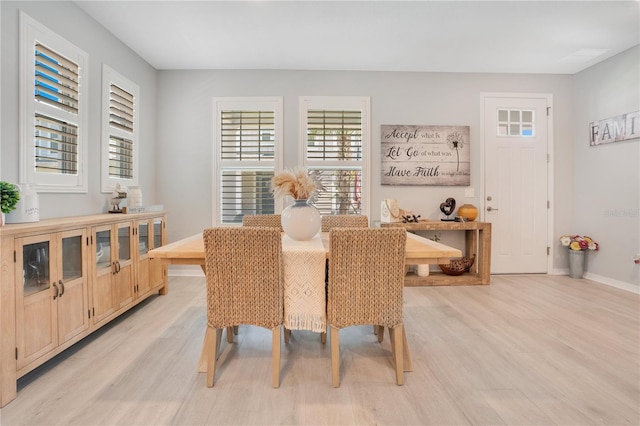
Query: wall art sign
{"points": [[425, 155], [615, 129]]}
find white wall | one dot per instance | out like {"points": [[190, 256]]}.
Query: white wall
{"points": [[70, 22], [185, 129], [176, 132], [607, 177]]}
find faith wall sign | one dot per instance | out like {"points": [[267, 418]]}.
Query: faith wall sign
{"points": [[425, 155]]}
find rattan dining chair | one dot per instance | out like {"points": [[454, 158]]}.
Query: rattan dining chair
{"points": [[270, 220], [344, 220], [366, 281], [244, 286]]}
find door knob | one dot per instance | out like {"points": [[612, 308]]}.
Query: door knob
{"points": [[489, 209]]}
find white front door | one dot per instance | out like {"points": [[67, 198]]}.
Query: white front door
{"points": [[516, 181]]}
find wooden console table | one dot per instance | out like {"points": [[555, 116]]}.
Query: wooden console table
{"points": [[477, 241]]}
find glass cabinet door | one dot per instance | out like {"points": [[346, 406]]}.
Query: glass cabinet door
{"points": [[36, 267], [143, 238], [157, 232], [124, 243], [103, 249], [71, 258]]}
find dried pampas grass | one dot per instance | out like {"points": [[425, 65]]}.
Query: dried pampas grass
{"points": [[294, 182]]}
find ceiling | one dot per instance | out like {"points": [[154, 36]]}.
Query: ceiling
{"points": [[551, 37]]}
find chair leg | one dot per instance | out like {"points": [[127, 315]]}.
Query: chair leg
{"points": [[229, 334], [275, 355], [398, 357], [335, 357], [380, 333], [287, 335], [212, 342], [408, 365], [323, 337], [235, 330]]}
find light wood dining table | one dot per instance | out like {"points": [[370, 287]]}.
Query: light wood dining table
{"points": [[190, 251], [419, 250]]}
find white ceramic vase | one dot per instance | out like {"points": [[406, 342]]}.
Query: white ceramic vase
{"points": [[301, 220]]}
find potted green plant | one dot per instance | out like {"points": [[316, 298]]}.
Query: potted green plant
{"points": [[8, 199]]}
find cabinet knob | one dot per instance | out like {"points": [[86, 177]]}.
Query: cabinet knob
{"points": [[55, 295], [61, 288]]}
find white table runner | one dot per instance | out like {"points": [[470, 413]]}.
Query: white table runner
{"points": [[304, 289]]}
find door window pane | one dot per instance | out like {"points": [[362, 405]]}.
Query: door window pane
{"points": [[515, 122]]}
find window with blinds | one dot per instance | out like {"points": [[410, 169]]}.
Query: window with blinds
{"points": [[53, 73], [56, 79], [336, 138], [120, 131], [246, 145], [334, 135], [245, 192], [56, 146], [120, 148], [247, 135]]}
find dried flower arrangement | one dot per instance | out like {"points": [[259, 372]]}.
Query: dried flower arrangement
{"points": [[294, 182]]}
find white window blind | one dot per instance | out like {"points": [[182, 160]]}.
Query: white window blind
{"points": [[120, 101], [53, 72], [245, 192], [120, 157], [56, 146], [56, 79], [120, 148], [336, 144], [247, 144], [247, 135]]}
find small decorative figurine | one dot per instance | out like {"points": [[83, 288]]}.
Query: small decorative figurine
{"points": [[116, 197], [412, 218], [447, 208]]}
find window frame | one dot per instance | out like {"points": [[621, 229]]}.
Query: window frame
{"points": [[31, 31], [220, 104], [343, 103], [111, 76]]}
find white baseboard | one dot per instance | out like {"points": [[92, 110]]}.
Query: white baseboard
{"points": [[602, 280], [613, 283]]}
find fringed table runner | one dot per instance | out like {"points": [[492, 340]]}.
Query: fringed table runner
{"points": [[304, 289]]}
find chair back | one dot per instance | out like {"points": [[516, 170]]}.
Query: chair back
{"points": [[344, 221], [270, 220], [366, 276], [244, 276]]}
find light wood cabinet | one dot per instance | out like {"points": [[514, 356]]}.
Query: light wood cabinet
{"points": [[52, 298], [114, 269], [64, 278], [151, 273]]}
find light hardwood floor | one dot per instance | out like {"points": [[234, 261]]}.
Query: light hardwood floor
{"points": [[532, 350]]}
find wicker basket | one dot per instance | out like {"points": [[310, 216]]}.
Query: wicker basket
{"points": [[458, 266]]}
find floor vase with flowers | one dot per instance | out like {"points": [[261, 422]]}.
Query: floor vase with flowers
{"points": [[576, 263]]}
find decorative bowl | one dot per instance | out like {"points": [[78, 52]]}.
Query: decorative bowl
{"points": [[458, 266]]}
